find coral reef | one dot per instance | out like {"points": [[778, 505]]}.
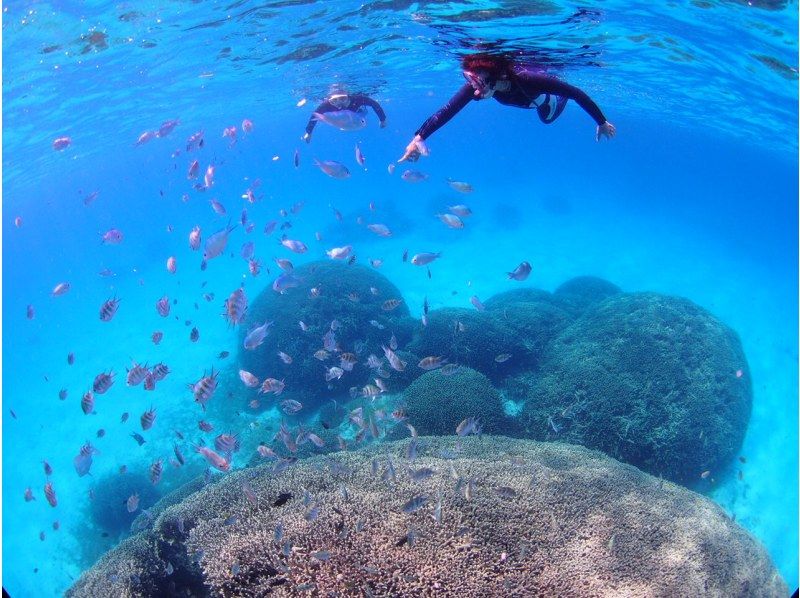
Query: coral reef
{"points": [[580, 293], [492, 517], [436, 403], [652, 380], [535, 315], [354, 296], [476, 339]]}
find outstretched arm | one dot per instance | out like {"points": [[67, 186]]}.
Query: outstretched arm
{"points": [[434, 123], [446, 112]]}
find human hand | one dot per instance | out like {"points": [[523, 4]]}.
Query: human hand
{"points": [[414, 150], [306, 138], [383, 124], [606, 130]]}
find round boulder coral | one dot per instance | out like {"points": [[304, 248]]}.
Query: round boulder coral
{"points": [[365, 309], [580, 293], [652, 380], [535, 315], [437, 402], [478, 339], [479, 516]]}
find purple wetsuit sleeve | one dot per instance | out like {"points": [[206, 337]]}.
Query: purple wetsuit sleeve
{"points": [[446, 112], [323, 107], [539, 83], [360, 100]]}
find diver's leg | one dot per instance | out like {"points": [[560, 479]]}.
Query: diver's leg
{"points": [[551, 108]]}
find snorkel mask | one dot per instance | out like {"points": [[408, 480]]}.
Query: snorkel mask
{"points": [[340, 100], [481, 82]]}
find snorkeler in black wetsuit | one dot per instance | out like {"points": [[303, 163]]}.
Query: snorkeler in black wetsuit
{"points": [[512, 84], [356, 103]]}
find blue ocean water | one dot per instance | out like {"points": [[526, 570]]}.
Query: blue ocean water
{"points": [[695, 197]]}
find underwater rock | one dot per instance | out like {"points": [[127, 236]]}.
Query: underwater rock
{"points": [[580, 293], [652, 380], [495, 517], [478, 339], [343, 293], [111, 492], [436, 403]]}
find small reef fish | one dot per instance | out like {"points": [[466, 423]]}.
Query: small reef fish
{"points": [[460, 186], [248, 379], [61, 143], [413, 176], [476, 303], [83, 461], [502, 358], [272, 385], [112, 237], [60, 289], [133, 502], [380, 229], [460, 210], [163, 306], [415, 504], [294, 245], [344, 120], [360, 160], [340, 253], [431, 363], [216, 243], [87, 403], [390, 304], [216, 461], [102, 382], [148, 418], [109, 309], [333, 169], [50, 494], [204, 388], [469, 426], [521, 272], [156, 469], [451, 220], [284, 282], [172, 264], [423, 259], [136, 375], [236, 307], [256, 336]]}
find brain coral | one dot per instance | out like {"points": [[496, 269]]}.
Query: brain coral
{"points": [[493, 517], [351, 294], [652, 380], [436, 403]]}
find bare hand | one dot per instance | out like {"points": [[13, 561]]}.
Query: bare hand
{"points": [[306, 138], [606, 130], [383, 124], [414, 150]]}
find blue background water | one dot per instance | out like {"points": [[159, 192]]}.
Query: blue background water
{"points": [[697, 196]]}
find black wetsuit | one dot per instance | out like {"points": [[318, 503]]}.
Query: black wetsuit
{"points": [[529, 88], [357, 102]]}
